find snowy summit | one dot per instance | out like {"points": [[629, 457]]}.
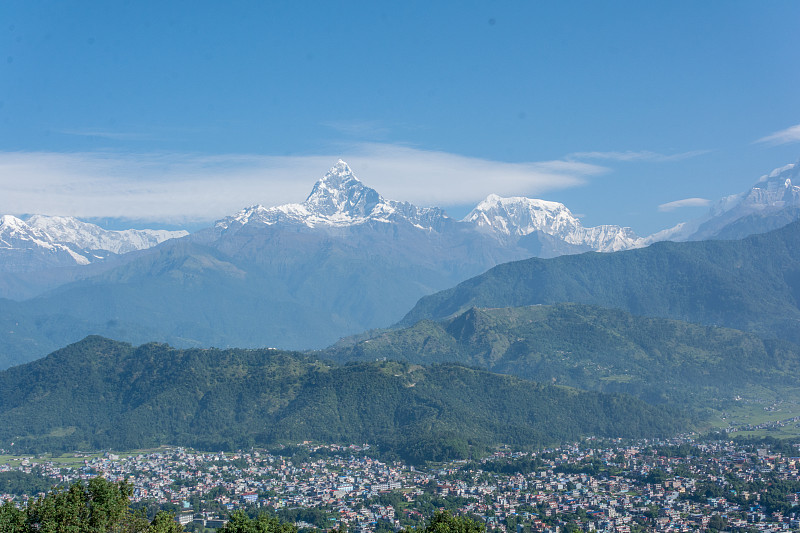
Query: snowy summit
{"points": [[338, 199], [519, 216]]}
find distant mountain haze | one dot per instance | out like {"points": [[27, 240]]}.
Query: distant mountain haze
{"points": [[294, 276], [302, 275], [751, 284]]}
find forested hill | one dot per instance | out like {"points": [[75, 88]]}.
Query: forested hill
{"points": [[590, 347], [99, 393], [751, 284]]}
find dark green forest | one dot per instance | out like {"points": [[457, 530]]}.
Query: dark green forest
{"points": [[99, 393]]}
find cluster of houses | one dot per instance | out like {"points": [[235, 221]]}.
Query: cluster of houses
{"points": [[590, 486]]}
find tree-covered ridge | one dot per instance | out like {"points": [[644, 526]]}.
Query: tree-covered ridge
{"points": [[751, 284], [593, 348], [100, 393]]}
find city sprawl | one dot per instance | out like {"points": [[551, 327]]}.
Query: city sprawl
{"points": [[676, 485]]}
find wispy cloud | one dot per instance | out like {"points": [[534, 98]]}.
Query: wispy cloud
{"points": [[789, 135], [182, 188], [686, 202], [359, 128], [637, 156], [108, 134]]}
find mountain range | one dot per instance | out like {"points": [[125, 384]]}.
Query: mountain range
{"points": [[772, 202], [300, 275], [295, 276], [629, 340], [41, 252]]}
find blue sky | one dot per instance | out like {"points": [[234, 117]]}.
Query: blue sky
{"points": [[182, 112]]}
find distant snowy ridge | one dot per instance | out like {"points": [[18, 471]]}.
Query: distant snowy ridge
{"points": [[18, 237], [85, 236], [519, 216], [51, 241], [737, 215], [338, 199]]}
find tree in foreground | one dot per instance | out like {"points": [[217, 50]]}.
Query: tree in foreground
{"points": [[99, 506], [239, 522], [444, 522]]}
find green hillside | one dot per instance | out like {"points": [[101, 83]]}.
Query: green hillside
{"points": [[589, 347], [100, 393], [752, 284]]}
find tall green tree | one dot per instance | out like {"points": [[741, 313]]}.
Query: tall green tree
{"points": [[444, 522], [98, 506], [241, 523], [12, 519]]}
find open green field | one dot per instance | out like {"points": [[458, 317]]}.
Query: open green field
{"points": [[760, 419], [71, 459]]}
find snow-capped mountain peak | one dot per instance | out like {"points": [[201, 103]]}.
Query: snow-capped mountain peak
{"points": [[776, 189], [340, 192], [40, 242], [518, 216], [773, 190], [338, 199], [15, 229], [19, 239]]}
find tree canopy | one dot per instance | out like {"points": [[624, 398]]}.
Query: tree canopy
{"points": [[98, 506]]}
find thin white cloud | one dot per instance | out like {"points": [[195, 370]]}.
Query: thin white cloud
{"points": [[107, 134], [637, 156], [686, 202], [182, 188], [789, 135], [359, 128]]}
